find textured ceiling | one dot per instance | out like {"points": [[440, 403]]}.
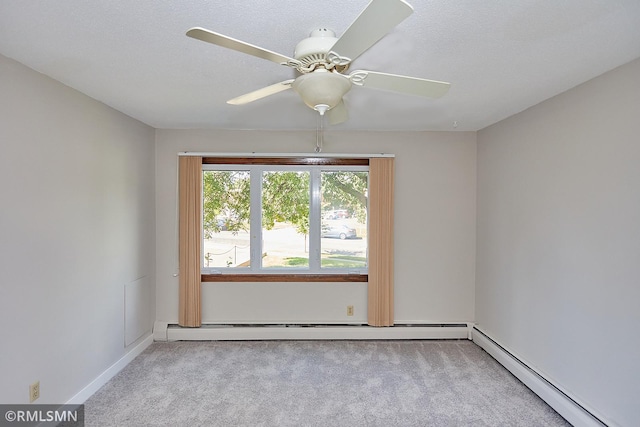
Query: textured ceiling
{"points": [[501, 56]]}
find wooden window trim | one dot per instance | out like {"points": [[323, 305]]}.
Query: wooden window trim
{"points": [[286, 161], [265, 277]]}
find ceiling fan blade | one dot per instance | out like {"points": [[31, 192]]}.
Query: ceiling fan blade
{"points": [[338, 114], [261, 93], [397, 83], [375, 21], [240, 46]]}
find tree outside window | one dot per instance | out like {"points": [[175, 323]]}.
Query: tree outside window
{"points": [[289, 240]]}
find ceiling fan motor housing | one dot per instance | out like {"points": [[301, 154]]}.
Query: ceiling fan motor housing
{"points": [[313, 50]]}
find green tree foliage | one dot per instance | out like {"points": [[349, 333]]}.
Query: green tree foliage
{"points": [[226, 201], [285, 198], [345, 190]]}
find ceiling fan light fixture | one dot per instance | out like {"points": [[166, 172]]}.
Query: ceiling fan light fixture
{"points": [[321, 87]]}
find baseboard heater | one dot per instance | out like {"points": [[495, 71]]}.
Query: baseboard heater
{"points": [[286, 331], [577, 413]]}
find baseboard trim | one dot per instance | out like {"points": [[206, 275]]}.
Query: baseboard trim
{"points": [[561, 401], [315, 332], [111, 372]]}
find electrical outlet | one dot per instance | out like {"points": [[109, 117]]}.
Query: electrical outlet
{"points": [[349, 310], [34, 391]]}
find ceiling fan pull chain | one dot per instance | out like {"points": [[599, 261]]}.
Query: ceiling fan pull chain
{"points": [[320, 133]]}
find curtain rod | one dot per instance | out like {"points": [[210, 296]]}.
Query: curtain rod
{"points": [[287, 155]]}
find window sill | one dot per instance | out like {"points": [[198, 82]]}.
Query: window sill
{"points": [[284, 277]]}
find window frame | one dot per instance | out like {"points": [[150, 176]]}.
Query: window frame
{"points": [[256, 167]]}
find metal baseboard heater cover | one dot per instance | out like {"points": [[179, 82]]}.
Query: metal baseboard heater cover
{"points": [[290, 331]]}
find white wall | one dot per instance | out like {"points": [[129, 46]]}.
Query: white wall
{"points": [[435, 230], [558, 266], [77, 225]]}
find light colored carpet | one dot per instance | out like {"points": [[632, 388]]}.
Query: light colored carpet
{"points": [[317, 383]]}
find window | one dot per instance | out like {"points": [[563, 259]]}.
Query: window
{"points": [[380, 218], [284, 217]]}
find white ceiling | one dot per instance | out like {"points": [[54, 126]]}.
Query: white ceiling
{"points": [[501, 56]]}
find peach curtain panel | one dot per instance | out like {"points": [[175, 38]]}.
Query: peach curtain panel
{"points": [[190, 219], [380, 290]]}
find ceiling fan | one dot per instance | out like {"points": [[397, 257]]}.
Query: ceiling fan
{"points": [[322, 60]]}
